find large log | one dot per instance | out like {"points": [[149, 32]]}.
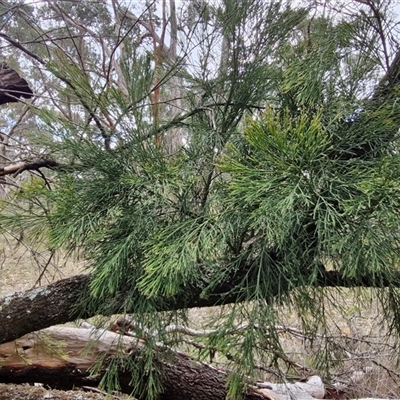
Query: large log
{"points": [[61, 358], [29, 311], [57, 303]]}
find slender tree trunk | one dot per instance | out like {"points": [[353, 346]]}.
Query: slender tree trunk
{"points": [[173, 139]]}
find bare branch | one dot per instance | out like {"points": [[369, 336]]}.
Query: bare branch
{"points": [[33, 165]]}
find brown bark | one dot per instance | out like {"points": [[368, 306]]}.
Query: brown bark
{"points": [[33, 165], [12, 86], [29, 311], [75, 350], [57, 303]]}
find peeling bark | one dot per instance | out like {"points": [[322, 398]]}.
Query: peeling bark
{"points": [[12, 86], [75, 350]]}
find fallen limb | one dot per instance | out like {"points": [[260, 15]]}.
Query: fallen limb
{"points": [[59, 302], [25, 312], [61, 357]]}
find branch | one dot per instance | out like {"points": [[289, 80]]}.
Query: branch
{"points": [[389, 80], [33, 165], [25, 312], [130, 327]]}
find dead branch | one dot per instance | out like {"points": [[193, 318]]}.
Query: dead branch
{"points": [[32, 165]]}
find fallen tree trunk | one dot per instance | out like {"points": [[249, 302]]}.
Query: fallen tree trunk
{"points": [[58, 303], [75, 350], [29, 311]]}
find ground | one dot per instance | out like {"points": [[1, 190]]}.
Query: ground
{"points": [[26, 392]]}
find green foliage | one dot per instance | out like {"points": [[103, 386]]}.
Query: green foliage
{"points": [[308, 204]]}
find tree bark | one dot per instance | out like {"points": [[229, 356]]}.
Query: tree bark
{"points": [[33, 165], [58, 303], [75, 350], [29, 311], [12, 86]]}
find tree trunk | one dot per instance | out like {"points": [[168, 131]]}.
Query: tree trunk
{"points": [[58, 303], [75, 350], [29, 311]]}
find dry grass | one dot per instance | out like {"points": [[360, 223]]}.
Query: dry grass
{"points": [[27, 392], [23, 267]]}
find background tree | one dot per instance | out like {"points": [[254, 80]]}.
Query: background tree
{"points": [[179, 189]]}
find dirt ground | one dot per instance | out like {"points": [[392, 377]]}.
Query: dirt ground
{"points": [[26, 392]]}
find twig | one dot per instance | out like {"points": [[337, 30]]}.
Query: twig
{"points": [[96, 390]]}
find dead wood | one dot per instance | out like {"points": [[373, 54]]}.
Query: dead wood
{"points": [[61, 357], [12, 86], [32, 165]]}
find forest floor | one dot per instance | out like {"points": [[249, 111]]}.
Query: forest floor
{"points": [[27, 392], [369, 369]]}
